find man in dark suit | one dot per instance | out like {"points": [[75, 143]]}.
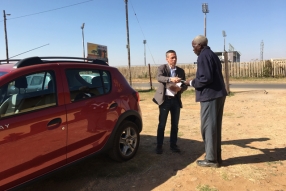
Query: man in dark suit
{"points": [[211, 93], [168, 97]]}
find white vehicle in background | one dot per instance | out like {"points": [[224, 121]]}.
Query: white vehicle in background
{"points": [[35, 82], [87, 77]]}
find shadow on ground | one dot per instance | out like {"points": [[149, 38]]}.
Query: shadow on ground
{"points": [[144, 172], [267, 155]]}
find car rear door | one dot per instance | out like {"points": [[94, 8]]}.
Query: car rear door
{"points": [[90, 118], [33, 134]]}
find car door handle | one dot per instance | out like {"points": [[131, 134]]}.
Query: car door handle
{"points": [[55, 123], [112, 106]]}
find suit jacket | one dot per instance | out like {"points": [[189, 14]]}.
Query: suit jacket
{"points": [[163, 75], [209, 82]]}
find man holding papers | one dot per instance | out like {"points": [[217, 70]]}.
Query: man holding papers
{"points": [[168, 98]]}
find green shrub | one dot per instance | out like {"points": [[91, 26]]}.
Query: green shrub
{"points": [[267, 69]]}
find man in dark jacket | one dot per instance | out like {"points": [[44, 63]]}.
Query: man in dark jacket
{"points": [[211, 93], [168, 97]]}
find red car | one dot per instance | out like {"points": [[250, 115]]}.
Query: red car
{"points": [[50, 116]]}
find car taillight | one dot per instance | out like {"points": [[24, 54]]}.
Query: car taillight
{"points": [[136, 96]]}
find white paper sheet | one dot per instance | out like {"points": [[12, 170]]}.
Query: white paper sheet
{"points": [[170, 92]]}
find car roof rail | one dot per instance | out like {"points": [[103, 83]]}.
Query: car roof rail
{"points": [[10, 60], [40, 60], [88, 60], [28, 62], [98, 61]]}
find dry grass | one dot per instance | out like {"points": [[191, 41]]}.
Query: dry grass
{"points": [[238, 80], [254, 152]]}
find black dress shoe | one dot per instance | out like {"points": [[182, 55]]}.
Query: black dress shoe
{"points": [[207, 163], [175, 148], [159, 149]]}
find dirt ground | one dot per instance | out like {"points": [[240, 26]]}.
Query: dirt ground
{"points": [[253, 152]]}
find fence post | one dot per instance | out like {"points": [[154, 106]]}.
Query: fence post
{"points": [[226, 74], [272, 72], [231, 65], [248, 69], [235, 64], [257, 69], [284, 69], [150, 76]]}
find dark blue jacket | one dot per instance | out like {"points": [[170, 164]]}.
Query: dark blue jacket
{"points": [[209, 82]]}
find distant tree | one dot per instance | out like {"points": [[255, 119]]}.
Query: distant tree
{"points": [[94, 52], [99, 52]]}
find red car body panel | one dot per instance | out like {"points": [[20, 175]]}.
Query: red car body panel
{"points": [[87, 120], [29, 144], [29, 147]]}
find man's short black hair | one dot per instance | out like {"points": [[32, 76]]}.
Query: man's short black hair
{"points": [[170, 51]]}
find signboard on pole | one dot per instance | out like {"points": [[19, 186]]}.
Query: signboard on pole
{"points": [[97, 51]]}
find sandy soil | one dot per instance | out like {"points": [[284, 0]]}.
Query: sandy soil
{"points": [[254, 152]]}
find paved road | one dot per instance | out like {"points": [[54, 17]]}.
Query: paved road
{"points": [[264, 86], [257, 86]]}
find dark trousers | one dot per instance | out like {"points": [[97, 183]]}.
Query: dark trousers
{"points": [[211, 122], [172, 106]]}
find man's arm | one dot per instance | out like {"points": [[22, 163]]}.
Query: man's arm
{"points": [[162, 75], [183, 77], [204, 74]]}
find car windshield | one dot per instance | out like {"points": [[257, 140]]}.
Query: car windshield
{"points": [[2, 73]]}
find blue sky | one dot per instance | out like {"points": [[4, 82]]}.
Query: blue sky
{"points": [[164, 24]]}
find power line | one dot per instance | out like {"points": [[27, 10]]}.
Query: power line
{"points": [[29, 50], [49, 10], [142, 32]]}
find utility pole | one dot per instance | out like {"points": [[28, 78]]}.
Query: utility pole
{"points": [[144, 42], [128, 44], [83, 48], [205, 10], [261, 50], [6, 40], [224, 35], [226, 72]]}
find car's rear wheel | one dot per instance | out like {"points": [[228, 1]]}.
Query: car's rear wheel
{"points": [[126, 142]]}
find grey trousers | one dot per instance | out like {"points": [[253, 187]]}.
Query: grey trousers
{"points": [[211, 122]]}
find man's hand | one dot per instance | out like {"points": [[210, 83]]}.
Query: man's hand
{"points": [[175, 79], [175, 88], [187, 82]]}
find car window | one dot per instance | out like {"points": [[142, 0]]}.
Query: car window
{"points": [[86, 83], [37, 80], [106, 81], [87, 78], [28, 78], [18, 96]]}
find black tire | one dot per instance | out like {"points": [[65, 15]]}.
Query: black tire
{"points": [[126, 142]]}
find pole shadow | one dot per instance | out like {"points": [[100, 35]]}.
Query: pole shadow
{"points": [[267, 155]]}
